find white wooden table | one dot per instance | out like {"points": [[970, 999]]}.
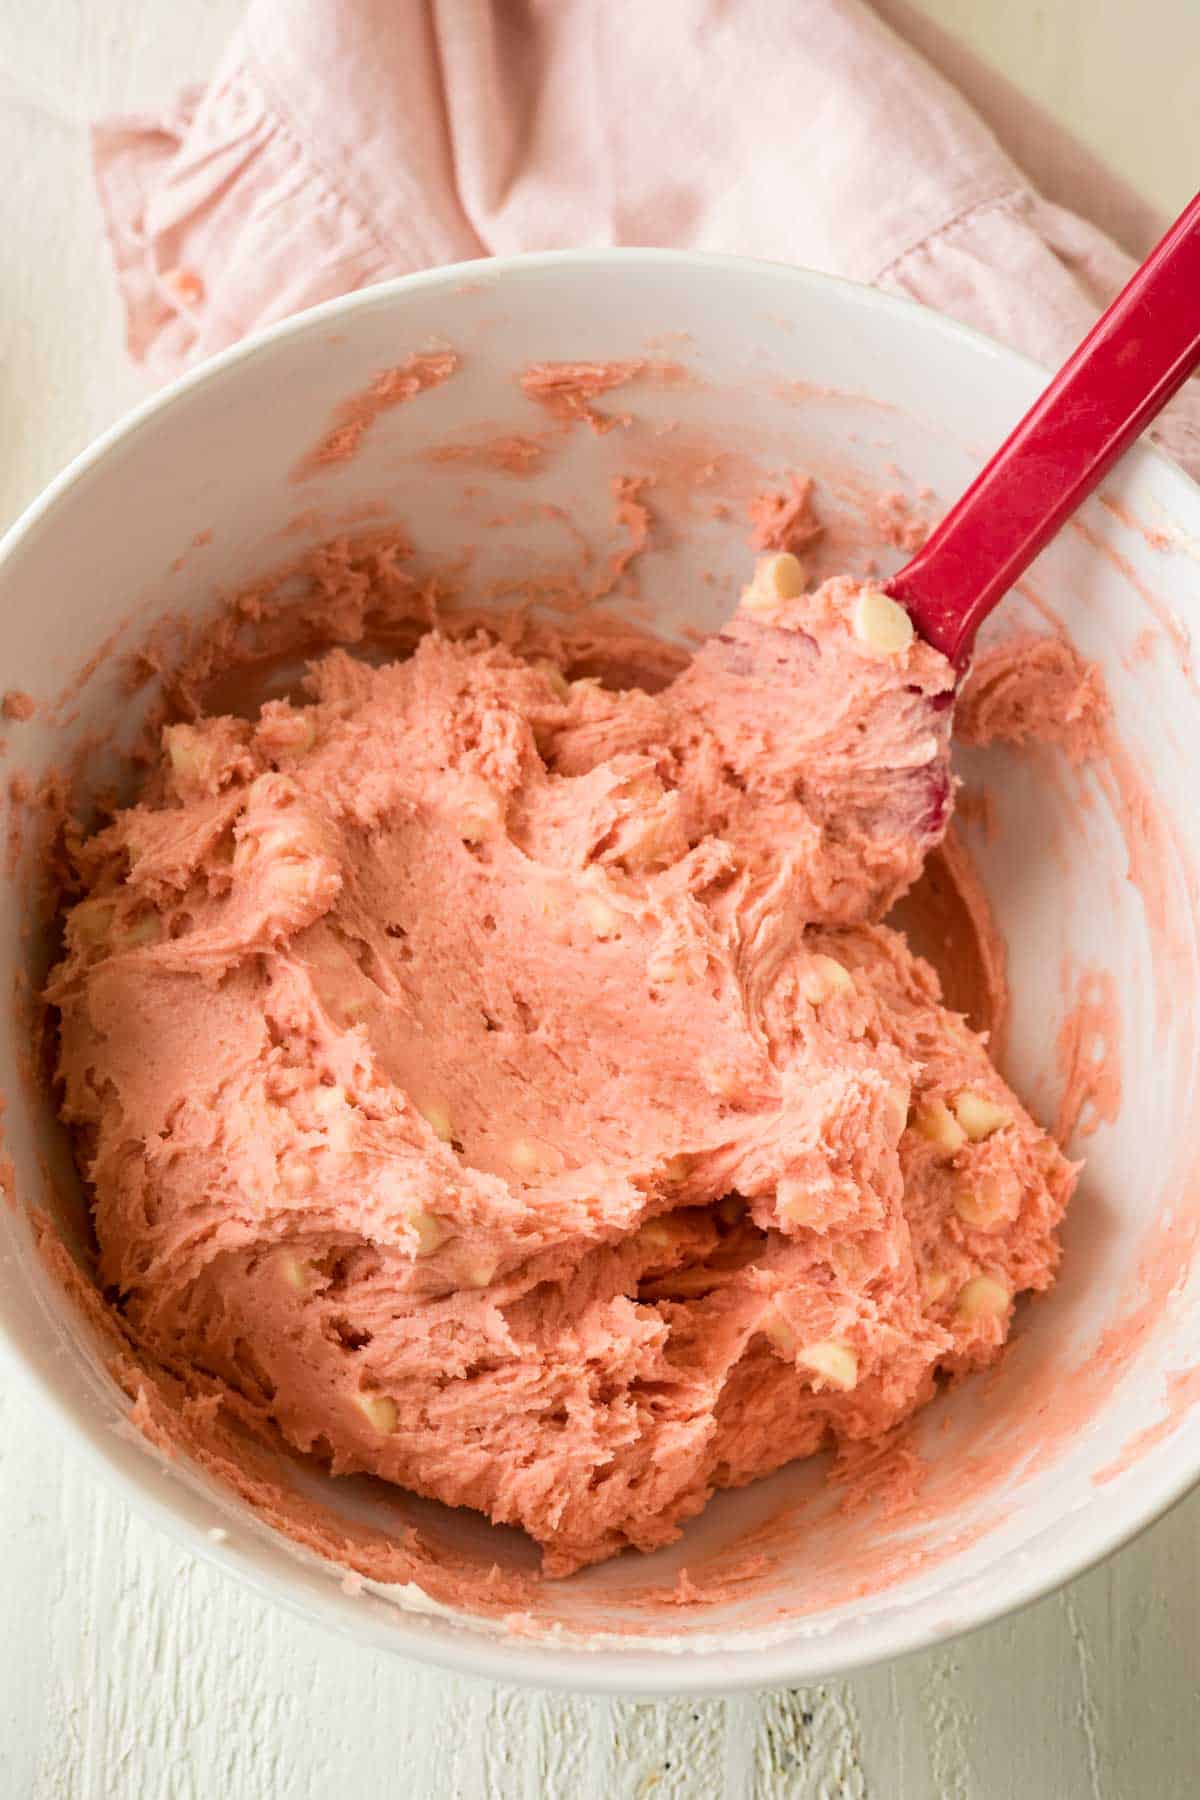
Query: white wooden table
{"points": [[129, 1671]]}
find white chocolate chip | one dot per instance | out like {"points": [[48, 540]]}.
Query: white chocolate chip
{"points": [[652, 839], [897, 1107], [973, 1211], [658, 1234], [836, 1364], [991, 1200], [292, 838], [476, 811], [178, 741], [978, 1115], [776, 578], [287, 733], [379, 1410], [296, 877], [554, 676], [333, 1115], [296, 1271], [431, 1233], [299, 735], [934, 1121], [824, 977], [138, 931], [676, 961], [188, 753], [880, 624], [983, 1297], [297, 1176], [776, 1328], [530, 1156], [785, 574], [604, 922], [793, 1202], [437, 1117], [523, 1156], [934, 1283], [91, 922], [478, 1271], [473, 823], [295, 865]]}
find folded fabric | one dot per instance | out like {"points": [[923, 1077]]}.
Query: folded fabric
{"points": [[345, 141]]}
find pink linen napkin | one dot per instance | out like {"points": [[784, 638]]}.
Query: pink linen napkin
{"points": [[344, 141]]}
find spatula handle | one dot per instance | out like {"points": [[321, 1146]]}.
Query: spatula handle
{"points": [[1134, 358]]}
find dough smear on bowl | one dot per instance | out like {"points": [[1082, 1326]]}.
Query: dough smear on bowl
{"points": [[503, 1084]]}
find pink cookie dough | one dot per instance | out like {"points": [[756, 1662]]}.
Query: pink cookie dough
{"points": [[504, 1085]]}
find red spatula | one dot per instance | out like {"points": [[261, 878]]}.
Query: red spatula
{"points": [[1135, 357]]}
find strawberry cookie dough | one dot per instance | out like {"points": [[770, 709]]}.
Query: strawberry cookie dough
{"points": [[504, 1084]]}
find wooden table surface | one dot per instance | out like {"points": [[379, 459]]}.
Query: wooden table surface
{"points": [[128, 1671]]}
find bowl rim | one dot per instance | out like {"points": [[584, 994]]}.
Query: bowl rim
{"points": [[642, 1669]]}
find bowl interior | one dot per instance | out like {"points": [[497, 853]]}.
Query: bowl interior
{"points": [[750, 372]]}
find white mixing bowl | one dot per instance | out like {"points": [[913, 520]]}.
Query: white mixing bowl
{"points": [[1084, 1434]]}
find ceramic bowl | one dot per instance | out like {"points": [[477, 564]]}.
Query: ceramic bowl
{"points": [[1085, 1432]]}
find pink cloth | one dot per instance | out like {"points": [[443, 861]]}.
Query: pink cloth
{"points": [[344, 141]]}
